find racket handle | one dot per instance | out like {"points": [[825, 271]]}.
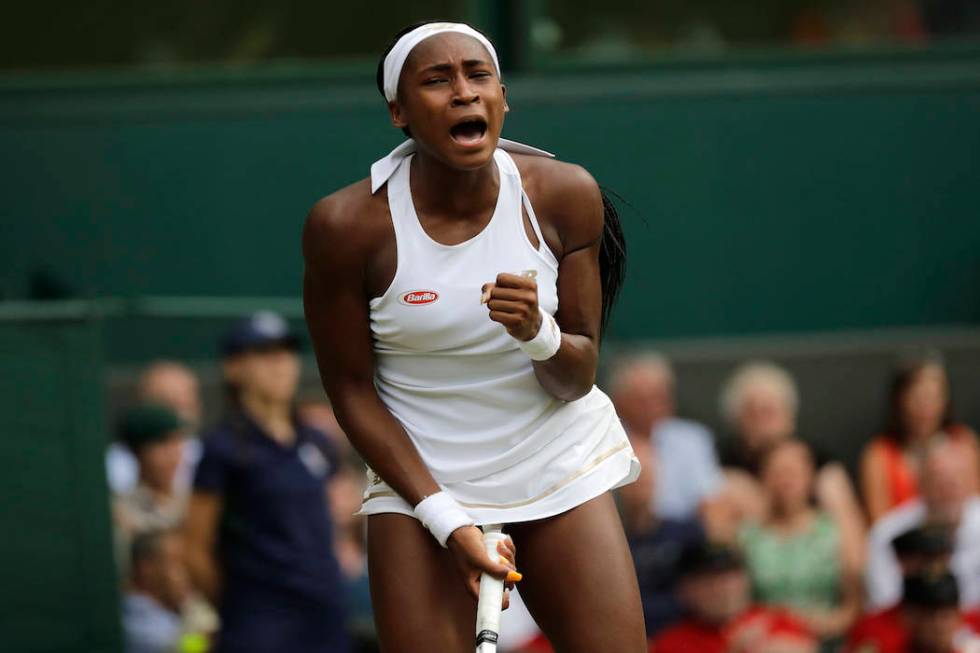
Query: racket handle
{"points": [[491, 596]]}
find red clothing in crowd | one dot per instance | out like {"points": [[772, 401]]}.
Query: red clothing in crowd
{"points": [[884, 632], [972, 620], [767, 624], [881, 632], [539, 644]]}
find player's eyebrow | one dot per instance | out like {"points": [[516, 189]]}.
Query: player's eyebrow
{"points": [[443, 67]]}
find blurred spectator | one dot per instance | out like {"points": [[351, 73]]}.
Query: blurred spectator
{"points": [[760, 403], [714, 588], [795, 556], [948, 501], [688, 477], [260, 536], [924, 549], [317, 413], [171, 384], [656, 544], [919, 411], [155, 436], [346, 490], [156, 596], [920, 551], [927, 620]]}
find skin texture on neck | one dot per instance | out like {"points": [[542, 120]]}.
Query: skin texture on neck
{"points": [[441, 192]]}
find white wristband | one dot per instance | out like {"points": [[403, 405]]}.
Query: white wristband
{"points": [[441, 514], [546, 343]]}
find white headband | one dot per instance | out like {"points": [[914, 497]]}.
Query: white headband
{"points": [[399, 53]]}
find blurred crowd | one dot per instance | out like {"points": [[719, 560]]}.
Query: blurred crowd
{"points": [[241, 536], [758, 542], [244, 536]]}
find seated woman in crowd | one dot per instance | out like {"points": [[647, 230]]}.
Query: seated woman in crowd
{"points": [[920, 410], [760, 403], [795, 554]]}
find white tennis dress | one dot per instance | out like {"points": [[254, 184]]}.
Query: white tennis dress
{"points": [[465, 393]]}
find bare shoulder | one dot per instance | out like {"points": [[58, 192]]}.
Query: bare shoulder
{"points": [[552, 181], [351, 217], [565, 195]]}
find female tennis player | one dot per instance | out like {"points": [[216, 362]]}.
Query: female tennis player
{"points": [[455, 301]]}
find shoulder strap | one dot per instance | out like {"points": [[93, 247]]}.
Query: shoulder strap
{"points": [[526, 203], [400, 195]]}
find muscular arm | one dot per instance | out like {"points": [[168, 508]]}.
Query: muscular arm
{"points": [[336, 248], [338, 241], [570, 201]]}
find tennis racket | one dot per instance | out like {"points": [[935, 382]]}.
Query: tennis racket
{"points": [[491, 595]]}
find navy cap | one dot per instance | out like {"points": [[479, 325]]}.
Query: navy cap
{"points": [[709, 557], [925, 540], [258, 331]]}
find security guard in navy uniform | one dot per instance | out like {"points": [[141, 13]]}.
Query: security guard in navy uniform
{"points": [[260, 537]]}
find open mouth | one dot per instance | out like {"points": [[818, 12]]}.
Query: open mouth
{"points": [[469, 132]]}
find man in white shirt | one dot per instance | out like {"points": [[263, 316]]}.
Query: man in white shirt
{"points": [[946, 500], [688, 477]]}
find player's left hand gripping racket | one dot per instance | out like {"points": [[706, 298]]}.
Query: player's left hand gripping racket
{"points": [[491, 595]]}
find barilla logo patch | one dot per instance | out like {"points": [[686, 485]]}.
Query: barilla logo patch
{"points": [[419, 297]]}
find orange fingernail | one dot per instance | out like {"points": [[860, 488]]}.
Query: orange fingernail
{"points": [[513, 577]]}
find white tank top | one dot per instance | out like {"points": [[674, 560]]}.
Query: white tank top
{"points": [[463, 390]]}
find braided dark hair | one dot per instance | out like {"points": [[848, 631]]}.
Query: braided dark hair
{"points": [[612, 256], [612, 250]]}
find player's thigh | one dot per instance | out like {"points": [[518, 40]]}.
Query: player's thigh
{"points": [[579, 580], [419, 601]]}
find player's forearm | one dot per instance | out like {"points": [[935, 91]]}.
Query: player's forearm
{"points": [[570, 373], [382, 442]]}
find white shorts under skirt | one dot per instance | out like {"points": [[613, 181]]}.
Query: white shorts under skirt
{"points": [[560, 476]]}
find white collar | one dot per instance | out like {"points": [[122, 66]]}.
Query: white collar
{"points": [[384, 168]]}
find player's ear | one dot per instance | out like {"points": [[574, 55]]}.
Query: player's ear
{"points": [[503, 89], [398, 118]]}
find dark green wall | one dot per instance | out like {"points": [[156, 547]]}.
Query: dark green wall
{"points": [[790, 194], [57, 576]]}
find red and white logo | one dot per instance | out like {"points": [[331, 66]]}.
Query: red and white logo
{"points": [[419, 297]]}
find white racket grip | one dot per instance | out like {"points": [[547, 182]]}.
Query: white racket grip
{"points": [[491, 596]]}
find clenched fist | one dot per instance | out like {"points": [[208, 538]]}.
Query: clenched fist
{"points": [[513, 301]]}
